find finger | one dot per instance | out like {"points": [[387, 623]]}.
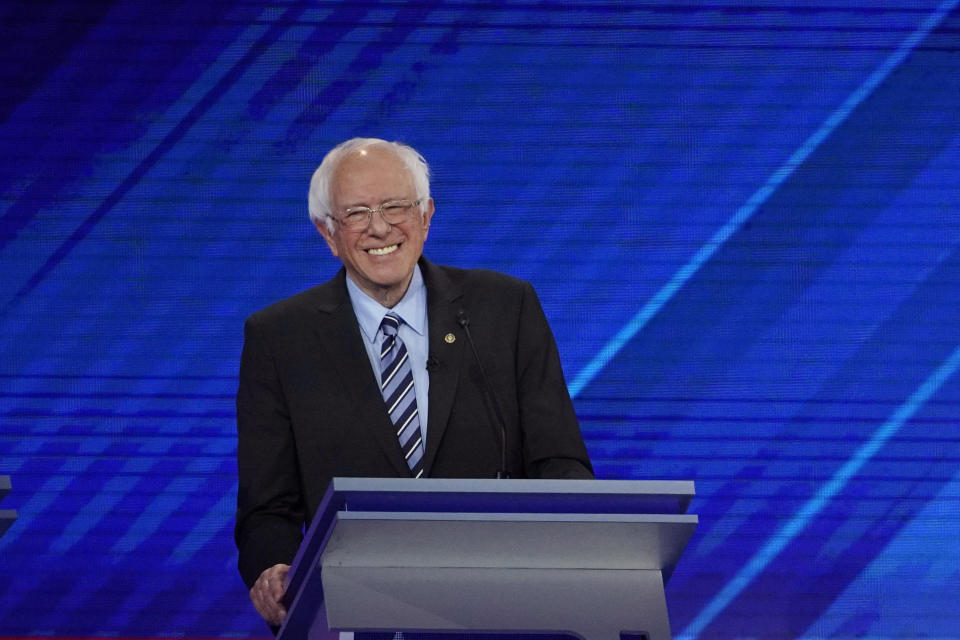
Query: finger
{"points": [[266, 601], [276, 581], [269, 610], [275, 589], [267, 592]]}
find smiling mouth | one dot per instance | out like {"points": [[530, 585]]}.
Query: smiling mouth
{"points": [[382, 251]]}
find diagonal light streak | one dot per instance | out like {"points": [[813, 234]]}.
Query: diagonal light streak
{"points": [[766, 554], [761, 195], [814, 505]]}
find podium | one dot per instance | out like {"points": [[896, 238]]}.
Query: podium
{"points": [[588, 558], [7, 516]]}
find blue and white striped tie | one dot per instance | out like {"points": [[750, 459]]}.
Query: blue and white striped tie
{"points": [[396, 385]]}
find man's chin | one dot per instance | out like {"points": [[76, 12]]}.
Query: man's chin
{"points": [[383, 279]]}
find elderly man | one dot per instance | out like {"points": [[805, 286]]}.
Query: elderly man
{"points": [[395, 367]]}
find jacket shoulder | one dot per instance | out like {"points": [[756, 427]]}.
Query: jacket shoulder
{"points": [[482, 280]]}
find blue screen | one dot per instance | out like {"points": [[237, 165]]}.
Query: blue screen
{"points": [[742, 219]]}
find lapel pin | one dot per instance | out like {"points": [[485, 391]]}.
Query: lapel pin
{"points": [[449, 338]]}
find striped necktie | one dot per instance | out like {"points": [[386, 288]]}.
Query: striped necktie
{"points": [[396, 385]]}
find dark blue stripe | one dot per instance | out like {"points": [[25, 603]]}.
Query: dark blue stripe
{"points": [[169, 141]]}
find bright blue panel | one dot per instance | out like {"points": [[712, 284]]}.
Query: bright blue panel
{"points": [[742, 220]]}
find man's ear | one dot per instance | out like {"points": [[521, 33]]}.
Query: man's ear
{"points": [[324, 231], [427, 215]]}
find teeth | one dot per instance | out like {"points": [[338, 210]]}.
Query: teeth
{"points": [[382, 251]]}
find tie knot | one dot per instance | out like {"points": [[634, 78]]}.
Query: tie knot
{"points": [[390, 324]]}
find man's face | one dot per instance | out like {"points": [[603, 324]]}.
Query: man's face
{"points": [[381, 258]]}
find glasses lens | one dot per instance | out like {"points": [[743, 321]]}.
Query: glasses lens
{"points": [[356, 218], [397, 210], [394, 212]]}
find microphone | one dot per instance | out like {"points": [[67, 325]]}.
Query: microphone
{"points": [[433, 363], [489, 394]]}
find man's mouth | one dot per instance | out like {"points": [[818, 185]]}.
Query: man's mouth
{"points": [[382, 251]]}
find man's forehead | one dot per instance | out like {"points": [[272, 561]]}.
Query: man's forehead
{"points": [[379, 156], [364, 169]]}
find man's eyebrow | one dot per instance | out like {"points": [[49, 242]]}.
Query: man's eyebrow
{"points": [[364, 204]]}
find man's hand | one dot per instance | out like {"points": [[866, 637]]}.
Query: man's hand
{"points": [[267, 591]]}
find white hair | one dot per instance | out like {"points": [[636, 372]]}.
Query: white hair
{"points": [[318, 198]]}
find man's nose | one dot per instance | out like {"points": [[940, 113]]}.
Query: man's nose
{"points": [[378, 225]]}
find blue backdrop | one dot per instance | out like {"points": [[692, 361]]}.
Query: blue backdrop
{"points": [[742, 220]]}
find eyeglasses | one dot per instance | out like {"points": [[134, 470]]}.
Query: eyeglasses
{"points": [[392, 211]]}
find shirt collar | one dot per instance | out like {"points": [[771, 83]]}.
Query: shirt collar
{"points": [[412, 307]]}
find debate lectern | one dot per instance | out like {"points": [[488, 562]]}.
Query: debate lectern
{"points": [[587, 558], [7, 516]]}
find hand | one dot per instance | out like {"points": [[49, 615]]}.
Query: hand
{"points": [[267, 591]]}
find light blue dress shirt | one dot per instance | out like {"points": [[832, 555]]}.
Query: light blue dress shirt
{"points": [[412, 309]]}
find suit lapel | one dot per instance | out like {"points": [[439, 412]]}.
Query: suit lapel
{"points": [[340, 335], [446, 343]]}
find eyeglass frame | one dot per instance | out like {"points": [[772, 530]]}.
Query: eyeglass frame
{"points": [[370, 212]]}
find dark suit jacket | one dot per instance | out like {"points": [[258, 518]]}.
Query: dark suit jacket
{"points": [[309, 406]]}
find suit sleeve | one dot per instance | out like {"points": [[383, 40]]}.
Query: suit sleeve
{"points": [[552, 443], [270, 507]]}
